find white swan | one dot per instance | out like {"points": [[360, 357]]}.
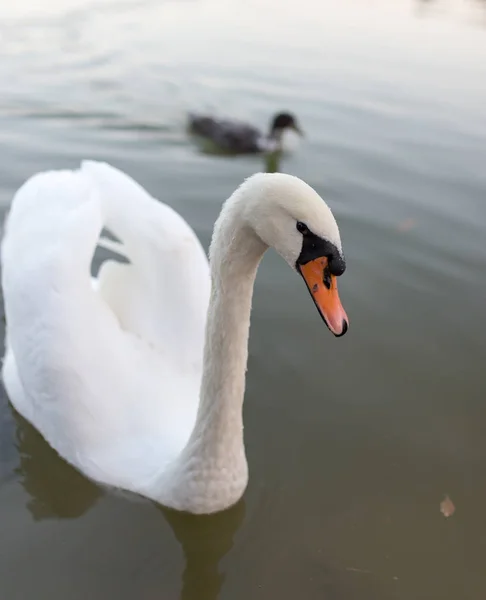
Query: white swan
{"points": [[138, 380]]}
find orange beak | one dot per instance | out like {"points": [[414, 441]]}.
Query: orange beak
{"points": [[322, 286]]}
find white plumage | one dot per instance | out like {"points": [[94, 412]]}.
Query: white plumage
{"points": [[110, 371]]}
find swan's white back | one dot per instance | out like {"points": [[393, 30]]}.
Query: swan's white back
{"points": [[108, 373]]}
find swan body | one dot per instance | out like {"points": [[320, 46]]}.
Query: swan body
{"points": [[137, 377], [235, 137]]}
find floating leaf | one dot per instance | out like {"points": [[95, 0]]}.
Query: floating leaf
{"points": [[406, 225], [447, 507]]}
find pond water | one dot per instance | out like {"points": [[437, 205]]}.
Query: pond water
{"points": [[352, 443]]}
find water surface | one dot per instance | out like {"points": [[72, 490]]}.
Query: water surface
{"points": [[352, 443]]}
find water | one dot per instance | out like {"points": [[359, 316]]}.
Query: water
{"points": [[352, 443]]}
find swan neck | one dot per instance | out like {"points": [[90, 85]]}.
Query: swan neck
{"points": [[235, 255], [211, 473]]}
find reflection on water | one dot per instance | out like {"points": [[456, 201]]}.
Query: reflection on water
{"points": [[472, 10], [58, 491], [44, 475], [272, 161], [203, 550]]}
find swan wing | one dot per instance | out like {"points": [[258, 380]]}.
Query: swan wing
{"points": [[109, 375], [163, 294]]}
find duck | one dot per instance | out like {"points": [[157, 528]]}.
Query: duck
{"points": [[235, 137], [136, 375]]}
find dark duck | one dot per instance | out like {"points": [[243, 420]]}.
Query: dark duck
{"points": [[235, 137]]}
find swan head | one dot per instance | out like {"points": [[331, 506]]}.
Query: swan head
{"points": [[290, 216]]}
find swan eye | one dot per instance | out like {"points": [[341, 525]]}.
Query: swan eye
{"points": [[302, 228]]}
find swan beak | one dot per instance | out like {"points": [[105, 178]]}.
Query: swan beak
{"points": [[322, 286]]}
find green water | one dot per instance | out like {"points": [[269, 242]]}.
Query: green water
{"points": [[352, 443]]}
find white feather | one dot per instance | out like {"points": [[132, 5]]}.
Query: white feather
{"points": [[109, 370]]}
